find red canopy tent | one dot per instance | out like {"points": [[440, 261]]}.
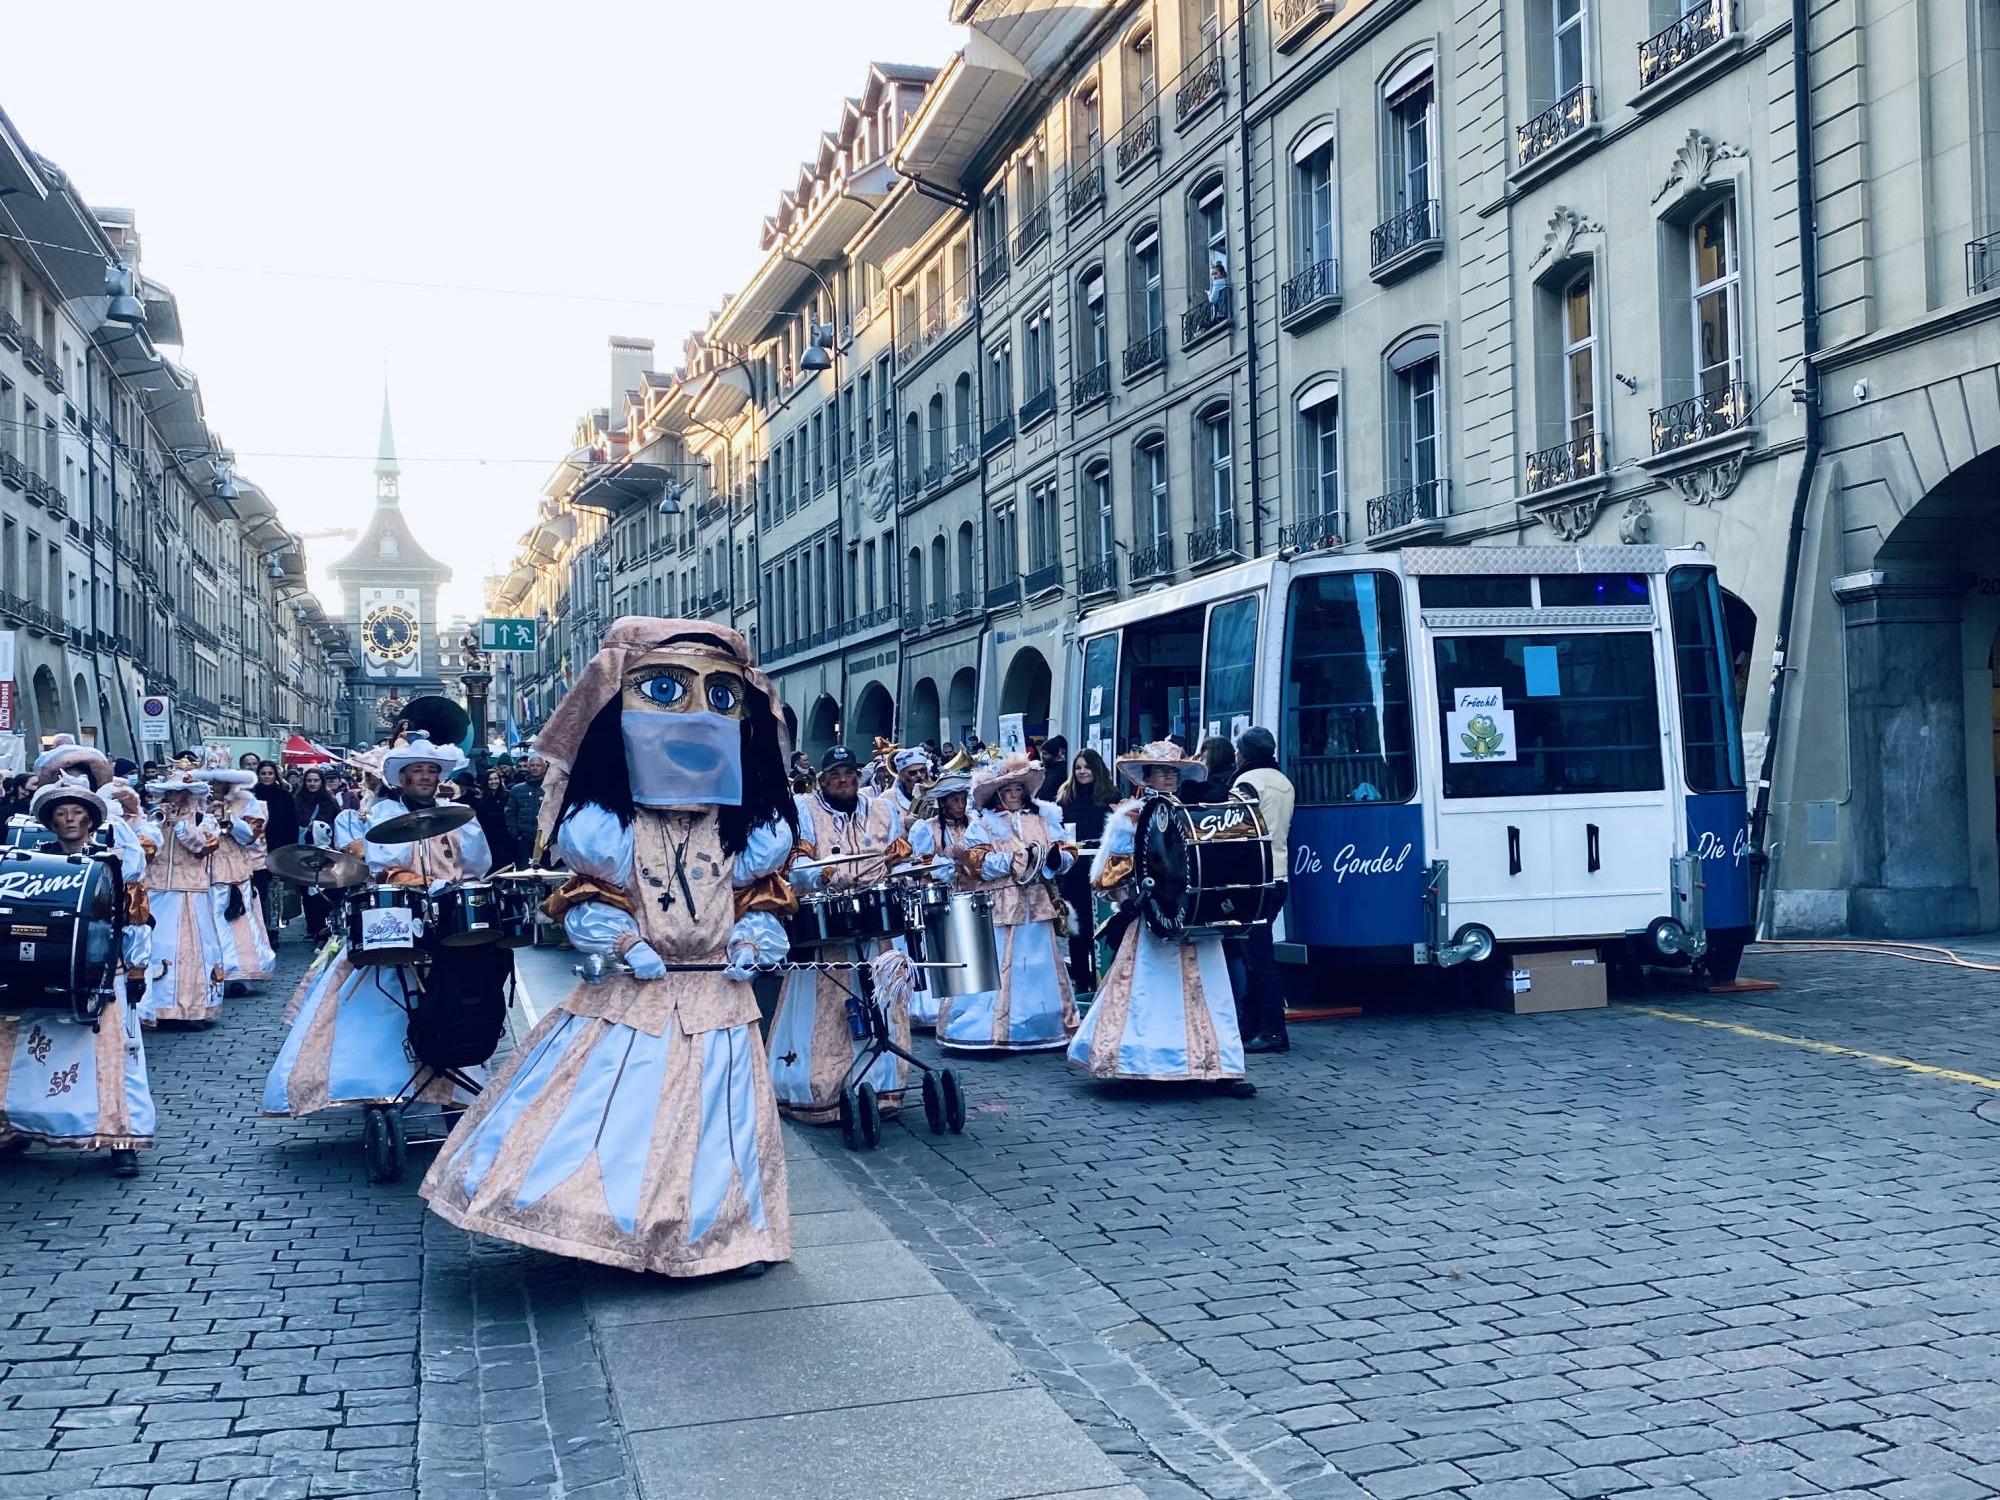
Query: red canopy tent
{"points": [[300, 751]]}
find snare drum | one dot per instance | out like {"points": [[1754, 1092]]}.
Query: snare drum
{"points": [[520, 908], [958, 929], [468, 914], [384, 924], [850, 916]]}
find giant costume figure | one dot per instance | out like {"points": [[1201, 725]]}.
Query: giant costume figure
{"points": [[635, 1125], [1165, 1010]]}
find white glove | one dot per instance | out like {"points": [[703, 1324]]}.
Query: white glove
{"points": [[322, 834], [645, 963], [758, 940]]}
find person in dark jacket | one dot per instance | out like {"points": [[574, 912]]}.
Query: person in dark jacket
{"points": [[1084, 798], [281, 827], [1219, 756], [489, 802], [314, 802], [524, 808]]}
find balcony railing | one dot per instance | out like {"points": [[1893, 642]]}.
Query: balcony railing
{"points": [[12, 333], [1086, 186], [1203, 86], [993, 270], [1206, 313], [965, 602], [1000, 430], [1722, 408], [1138, 142], [1043, 580], [1156, 561], [1097, 577], [913, 619], [934, 475], [1036, 407], [1420, 502], [1982, 274], [1314, 288], [1313, 532], [963, 457], [13, 472], [1145, 353], [1212, 543], [1291, 19], [1565, 118], [1091, 387], [1414, 226], [1033, 233], [1564, 463], [913, 483], [1004, 595], [1705, 26]]}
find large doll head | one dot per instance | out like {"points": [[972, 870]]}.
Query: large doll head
{"points": [[676, 718]]}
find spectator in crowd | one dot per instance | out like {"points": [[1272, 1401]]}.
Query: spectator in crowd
{"points": [[281, 827], [1084, 799], [489, 802], [13, 797], [315, 802], [524, 808], [1219, 756], [1260, 994], [249, 761]]}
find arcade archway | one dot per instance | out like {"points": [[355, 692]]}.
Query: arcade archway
{"points": [[874, 717]]}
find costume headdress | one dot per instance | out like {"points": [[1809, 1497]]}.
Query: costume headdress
{"points": [[70, 789], [1134, 764], [1015, 770]]}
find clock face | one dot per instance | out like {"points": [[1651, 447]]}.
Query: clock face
{"points": [[391, 632]]}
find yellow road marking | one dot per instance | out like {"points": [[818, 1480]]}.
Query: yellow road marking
{"points": [[1976, 1079]]}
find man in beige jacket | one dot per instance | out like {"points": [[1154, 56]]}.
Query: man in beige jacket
{"points": [[1260, 999]]}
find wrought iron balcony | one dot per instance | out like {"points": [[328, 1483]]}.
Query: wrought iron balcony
{"points": [[13, 472], [963, 457], [1720, 409], [965, 602], [1406, 231], [1212, 543], [1206, 313], [1086, 186], [907, 348], [1313, 291], [934, 474], [993, 270], [1156, 561], [1036, 407], [1097, 577], [1145, 354], [913, 619], [1091, 387], [12, 334], [1565, 118], [1705, 26], [1138, 142], [1000, 430], [1311, 533], [1420, 502], [913, 483], [1564, 463], [1292, 19], [1982, 270], [1201, 88], [1033, 233], [1004, 595], [1043, 580], [32, 354]]}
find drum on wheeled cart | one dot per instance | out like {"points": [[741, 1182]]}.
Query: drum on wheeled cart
{"points": [[1202, 870], [62, 918]]}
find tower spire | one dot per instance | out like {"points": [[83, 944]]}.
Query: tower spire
{"points": [[386, 468]]}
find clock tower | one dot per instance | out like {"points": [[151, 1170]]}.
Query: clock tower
{"points": [[388, 585]]}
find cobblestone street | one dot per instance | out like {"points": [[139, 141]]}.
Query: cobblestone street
{"points": [[240, 1321], [1460, 1252]]}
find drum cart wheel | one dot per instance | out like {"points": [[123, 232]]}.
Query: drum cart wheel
{"points": [[934, 1104], [382, 1143], [858, 1100], [868, 1116], [954, 1101], [850, 1129]]}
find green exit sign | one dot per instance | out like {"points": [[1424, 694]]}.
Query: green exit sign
{"points": [[507, 635]]}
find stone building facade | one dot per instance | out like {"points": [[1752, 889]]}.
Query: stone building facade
{"points": [[1170, 283], [132, 560]]}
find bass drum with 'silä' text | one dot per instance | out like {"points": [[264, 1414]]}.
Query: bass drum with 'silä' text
{"points": [[1202, 870]]}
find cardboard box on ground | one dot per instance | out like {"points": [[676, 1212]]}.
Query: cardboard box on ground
{"points": [[1564, 979]]}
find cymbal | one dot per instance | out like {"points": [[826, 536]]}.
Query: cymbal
{"points": [[424, 823], [307, 864]]}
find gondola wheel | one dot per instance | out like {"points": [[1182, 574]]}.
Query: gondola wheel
{"points": [[933, 1104], [868, 1116], [850, 1131], [382, 1144], [954, 1101]]}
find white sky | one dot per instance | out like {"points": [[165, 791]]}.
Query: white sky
{"points": [[621, 156]]}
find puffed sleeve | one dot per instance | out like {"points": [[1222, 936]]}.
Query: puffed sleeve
{"points": [[592, 842], [241, 826], [131, 853], [475, 855], [594, 927], [382, 857], [192, 835], [805, 872], [348, 826], [996, 844], [1121, 831], [923, 838], [768, 849]]}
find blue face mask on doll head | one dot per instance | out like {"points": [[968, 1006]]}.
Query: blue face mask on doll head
{"points": [[683, 759]]}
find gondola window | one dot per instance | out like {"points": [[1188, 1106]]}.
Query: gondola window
{"points": [[1347, 735]]}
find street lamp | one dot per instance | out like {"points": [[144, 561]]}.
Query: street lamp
{"points": [[823, 353]]}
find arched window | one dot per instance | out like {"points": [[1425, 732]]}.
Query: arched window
{"points": [[935, 469], [913, 592], [966, 561], [962, 434], [1096, 528], [1215, 468], [913, 453], [940, 573], [1152, 513]]}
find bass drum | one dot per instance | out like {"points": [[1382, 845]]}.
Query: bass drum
{"points": [[1202, 870], [61, 918]]}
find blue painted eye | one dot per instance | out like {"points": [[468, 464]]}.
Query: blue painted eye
{"points": [[664, 690], [723, 697]]}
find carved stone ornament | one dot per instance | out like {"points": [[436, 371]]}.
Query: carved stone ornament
{"points": [[1637, 522], [1565, 226], [1693, 162], [1570, 520], [1707, 485]]}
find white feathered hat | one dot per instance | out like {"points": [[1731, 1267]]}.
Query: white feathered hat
{"points": [[419, 751]]}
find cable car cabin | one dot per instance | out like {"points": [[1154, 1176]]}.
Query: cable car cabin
{"points": [[1494, 747]]}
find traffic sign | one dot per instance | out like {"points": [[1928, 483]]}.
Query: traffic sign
{"points": [[507, 635], [156, 720]]}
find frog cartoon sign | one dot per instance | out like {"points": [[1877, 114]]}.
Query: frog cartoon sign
{"points": [[1480, 729]]}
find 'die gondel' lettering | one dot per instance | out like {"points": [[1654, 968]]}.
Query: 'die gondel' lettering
{"points": [[26, 885], [1306, 861], [1709, 846]]}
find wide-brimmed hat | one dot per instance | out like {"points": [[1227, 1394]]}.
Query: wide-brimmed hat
{"points": [[222, 776], [1015, 770], [176, 781], [70, 789], [1134, 764], [71, 759], [122, 798], [418, 750]]}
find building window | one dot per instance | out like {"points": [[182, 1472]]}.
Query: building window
{"points": [[1215, 461], [1003, 552], [967, 546], [1153, 520], [935, 470], [914, 581], [868, 588], [1093, 343], [1569, 22], [1414, 434], [1096, 527], [1044, 526], [1410, 106], [1149, 307], [1312, 206], [1086, 128], [1714, 275], [1038, 352], [1319, 450], [885, 389], [999, 382], [867, 404], [1579, 357], [913, 452], [1141, 72], [1208, 244], [1201, 32]]}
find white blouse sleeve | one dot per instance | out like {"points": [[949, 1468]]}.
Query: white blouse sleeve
{"points": [[592, 842], [475, 855], [769, 848], [1121, 831]]}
